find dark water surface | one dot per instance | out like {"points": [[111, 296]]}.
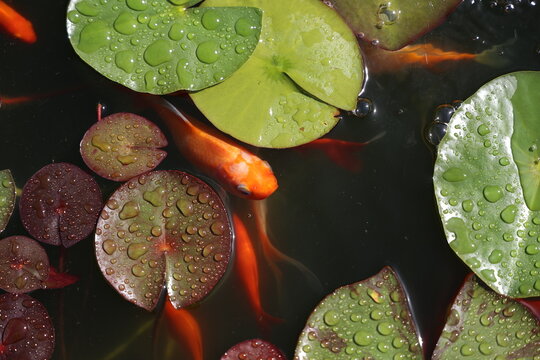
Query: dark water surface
{"points": [[343, 226]]}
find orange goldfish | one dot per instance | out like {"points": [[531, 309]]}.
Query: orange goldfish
{"points": [[238, 170], [185, 328], [246, 265], [15, 24]]}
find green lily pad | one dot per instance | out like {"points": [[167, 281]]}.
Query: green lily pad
{"points": [[484, 325], [486, 181], [370, 319], [7, 197], [164, 227], [393, 24], [160, 47], [307, 63]]}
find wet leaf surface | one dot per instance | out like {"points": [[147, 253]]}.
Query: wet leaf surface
{"points": [[60, 204], [254, 349], [164, 227], [122, 146], [307, 63], [484, 325], [393, 24], [368, 319], [7, 197], [486, 180], [24, 264], [27, 331], [160, 47]]}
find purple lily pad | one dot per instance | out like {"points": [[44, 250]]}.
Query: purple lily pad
{"points": [[122, 146], [255, 349], [164, 227], [24, 264], [60, 204], [7, 197], [27, 331]]}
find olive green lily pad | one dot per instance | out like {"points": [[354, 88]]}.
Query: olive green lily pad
{"points": [[7, 197], [370, 319], [164, 227], [486, 181], [306, 64], [161, 46], [484, 325], [393, 24]]}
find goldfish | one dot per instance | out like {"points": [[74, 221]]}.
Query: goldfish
{"points": [[247, 268], [235, 168], [15, 24], [185, 328]]}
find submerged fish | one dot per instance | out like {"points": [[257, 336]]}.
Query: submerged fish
{"points": [[238, 170], [185, 328], [15, 24]]}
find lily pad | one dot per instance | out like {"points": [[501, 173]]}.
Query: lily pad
{"points": [[486, 181], [7, 197], [254, 349], [24, 264], [370, 319], [161, 47], [60, 204], [27, 331], [164, 227], [122, 146], [307, 62], [393, 24], [484, 325]]}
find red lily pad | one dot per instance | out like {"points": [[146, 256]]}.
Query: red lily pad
{"points": [[255, 349], [164, 227], [7, 197], [24, 264], [122, 146], [27, 331], [60, 204], [485, 325]]}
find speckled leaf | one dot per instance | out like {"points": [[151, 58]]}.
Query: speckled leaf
{"points": [[24, 264], [164, 227], [254, 349], [26, 329], [307, 62], [7, 197], [393, 24], [486, 174], [60, 204], [122, 146], [484, 325], [160, 47], [370, 319]]}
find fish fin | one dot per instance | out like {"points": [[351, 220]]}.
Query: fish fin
{"points": [[58, 280]]}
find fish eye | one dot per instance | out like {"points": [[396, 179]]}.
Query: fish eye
{"points": [[243, 189]]}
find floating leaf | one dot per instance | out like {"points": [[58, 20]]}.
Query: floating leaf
{"points": [[254, 349], [27, 330], [161, 47], [163, 227], [24, 264], [486, 180], [122, 146], [305, 47], [60, 204], [484, 325], [7, 197], [368, 319], [393, 24]]}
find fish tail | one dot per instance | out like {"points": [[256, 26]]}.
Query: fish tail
{"points": [[494, 56], [266, 322]]}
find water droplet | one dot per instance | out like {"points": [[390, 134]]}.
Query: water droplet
{"points": [[331, 318], [158, 52], [138, 5], [532, 249], [87, 8], [375, 295], [217, 228], [489, 275], [466, 350], [211, 20], [135, 251], [508, 215], [176, 32], [436, 132], [483, 130], [185, 207], [504, 161], [126, 24], [454, 175], [495, 257], [94, 36], [138, 270], [125, 60], [493, 193], [467, 205], [155, 197], [244, 27], [363, 108], [208, 52], [129, 210], [109, 246], [363, 338]]}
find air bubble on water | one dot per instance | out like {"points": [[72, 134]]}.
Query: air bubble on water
{"points": [[435, 133], [364, 107]]}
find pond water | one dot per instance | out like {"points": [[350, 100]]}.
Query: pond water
{"points": [[344, 226]]}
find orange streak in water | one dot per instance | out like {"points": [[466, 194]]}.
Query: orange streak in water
{"points": [[15, 24], [185, 328]]}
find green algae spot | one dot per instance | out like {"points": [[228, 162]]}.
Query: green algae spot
{"points": [[94, 36]]}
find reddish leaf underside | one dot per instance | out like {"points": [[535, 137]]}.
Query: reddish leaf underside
{"points": [[254, 349], [122, 146], [164, 227], [60, 204]]}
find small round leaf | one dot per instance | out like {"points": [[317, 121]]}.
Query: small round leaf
{"points": [[7, 197]]}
